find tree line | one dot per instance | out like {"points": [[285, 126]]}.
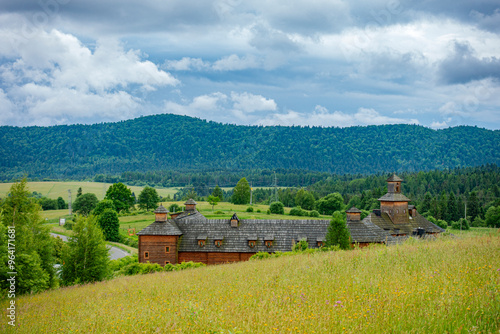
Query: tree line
{"points": [[152, 144]]}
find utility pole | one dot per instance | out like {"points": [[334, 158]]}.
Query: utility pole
{"points": [[69, 202], [275, 185], [251, 189]]}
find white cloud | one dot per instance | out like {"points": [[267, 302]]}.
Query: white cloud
{"points": [[322, 117], [250, 103], [235, 63], [439, 125], [57, 77], [200, 106], [186, 64]]}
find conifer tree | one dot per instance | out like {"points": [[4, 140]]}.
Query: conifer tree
{"points": [[338, 233], [218, 193], [241, 193]]}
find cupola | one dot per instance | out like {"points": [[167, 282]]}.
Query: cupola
{"points": [[190, 205], [353, 214], [161, 214]]}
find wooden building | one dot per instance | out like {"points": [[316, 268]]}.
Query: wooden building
{"points": [[190, 236]]}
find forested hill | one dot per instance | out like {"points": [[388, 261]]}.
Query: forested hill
{"points": [[183, 143]]}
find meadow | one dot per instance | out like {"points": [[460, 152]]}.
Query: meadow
{"points": [[449, 285], [54, 189]]}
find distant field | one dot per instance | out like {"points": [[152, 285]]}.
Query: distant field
{"points": [[60, 189], [450, 285]]}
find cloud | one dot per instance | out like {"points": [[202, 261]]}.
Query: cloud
{"points": [[439, 125], [200, 106], [250, 103], [186, 64], [57, 76], [462, 66], [322, 117]]}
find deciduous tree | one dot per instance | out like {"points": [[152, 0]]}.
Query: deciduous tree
{"points": [[338, 233], [330, 203], [241, 193], [85, 203], [121, 197], [110, 225], [148, 198]]}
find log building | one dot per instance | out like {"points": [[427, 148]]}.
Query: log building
{"points": [[190, 236]]}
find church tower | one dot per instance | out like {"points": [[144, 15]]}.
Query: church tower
{"points": [[394, 203]]}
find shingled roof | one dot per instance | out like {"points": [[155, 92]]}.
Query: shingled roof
{"points": [[161, 209], [283, 233], [353, 210], [384, 222], [394, 197], [394, 178], [366, 231], [161, 228], [190, 201]]}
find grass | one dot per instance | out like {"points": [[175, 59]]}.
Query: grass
{"points": [[450, 285], [52, 189]]}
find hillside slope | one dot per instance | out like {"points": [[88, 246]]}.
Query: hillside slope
{"points": [[184, 143], [443, 286]]}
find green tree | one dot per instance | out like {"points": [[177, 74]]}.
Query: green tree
{"points": [[338, 233], [218, 193], [48, 204], [61, 204], [148, 198], [110, 225], [213, 200], [330, 203], [87, 258], [304, 199], [277, 208], [452, 210], [34, 248], [425, 205], [121, 196], [473, 208], [241, 193], [79, 192], [85, 203], [103, 205], [493, 216]]}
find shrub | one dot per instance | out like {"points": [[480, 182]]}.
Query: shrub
{"points": [[300, 246], [250, 209], [68, 225], [463, 223], [219, 212], [297, 211], [441, 223], [314, 213], [478, 222], [174, 208], [277, 208], [258, 210]]}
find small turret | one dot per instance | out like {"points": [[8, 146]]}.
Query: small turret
{"points": [[190, 205], [161, 214], [353, 214]]}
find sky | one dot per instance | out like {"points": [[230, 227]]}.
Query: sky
{"points": [[309, 63]]}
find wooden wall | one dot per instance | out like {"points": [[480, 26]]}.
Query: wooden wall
{"points": [[155, 245], [213, 257]]}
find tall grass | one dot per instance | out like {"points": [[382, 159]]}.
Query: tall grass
{"points": [[450, 285]]}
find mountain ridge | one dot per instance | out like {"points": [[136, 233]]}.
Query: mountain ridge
{"points": [[169, 141]]}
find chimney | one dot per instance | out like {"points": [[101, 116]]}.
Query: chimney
{"points": [[353, 214], [161, 214], [190, 205]]}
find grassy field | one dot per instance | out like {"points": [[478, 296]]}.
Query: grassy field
{"points": [[60, 189], [446, 286]]}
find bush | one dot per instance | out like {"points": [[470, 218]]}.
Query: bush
{"points": [[462, 222], [314, 213], [277, 208], [258, 210], [478, 222], [68, 225], [298, 211], [174, 208], [219, 212], [250, 209], [441, 223], [300, 246]]}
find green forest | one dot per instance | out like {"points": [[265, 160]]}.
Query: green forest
{"points": [[181, 144]]}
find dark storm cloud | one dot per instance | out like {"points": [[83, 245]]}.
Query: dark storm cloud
{"points": [[462, 66]]}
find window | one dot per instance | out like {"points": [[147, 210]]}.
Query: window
{"points": [[167, 262], [251, 244], [201, 243], [146, 255], [218, 243], [269, 244], [320, 243], [167, 249]]}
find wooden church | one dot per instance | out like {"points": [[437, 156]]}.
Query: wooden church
{"points": [[190, 236]]}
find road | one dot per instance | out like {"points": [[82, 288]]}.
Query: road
{"points": [[114, 252]]}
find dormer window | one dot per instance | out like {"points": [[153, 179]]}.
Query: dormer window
{"points": [[320, 243], [201, 243], [268, 243], [252, 243], [218, 243]]}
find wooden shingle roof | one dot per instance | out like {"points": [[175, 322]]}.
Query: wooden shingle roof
{"points": [[418, 221], [394, 197], [394, 178], [161, 228]]}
